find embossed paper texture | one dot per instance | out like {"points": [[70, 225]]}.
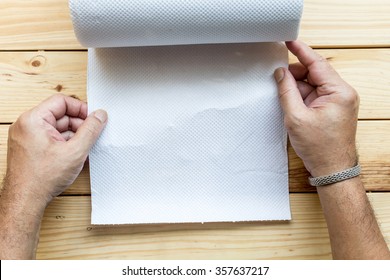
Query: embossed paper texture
{"points": [[195, 131]]}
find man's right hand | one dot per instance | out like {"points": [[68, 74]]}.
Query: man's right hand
{"points": [[321, 112]]}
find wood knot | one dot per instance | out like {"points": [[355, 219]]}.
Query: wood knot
{"points": [[37, 61], [59, 88], [75, 96]]}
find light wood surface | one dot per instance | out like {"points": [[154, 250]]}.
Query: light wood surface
{"points": [[27, 78], [40, 56], [46, 24], [67, 234]]}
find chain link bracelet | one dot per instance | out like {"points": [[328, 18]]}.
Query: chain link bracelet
{"points": [[335, 177]]}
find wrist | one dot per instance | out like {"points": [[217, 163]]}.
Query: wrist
{"points": [[20, 220], [334, 165], [333, 178], [330, 189], [326, 170], [18, 198]]}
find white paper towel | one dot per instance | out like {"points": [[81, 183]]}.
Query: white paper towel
{"points": [[123, 23], [195, 132]]}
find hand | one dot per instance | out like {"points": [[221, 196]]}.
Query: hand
{"points": [[47, 148], [321, 112]]}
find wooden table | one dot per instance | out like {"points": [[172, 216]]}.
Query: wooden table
{"points": [[40, 56]]}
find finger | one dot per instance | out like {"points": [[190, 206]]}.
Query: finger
{"points": [[310, 98], [320, 70], [89, 131], [289, 95], [306, 55], [59, 105], [68, 123], [305, 89], [298, 71]]}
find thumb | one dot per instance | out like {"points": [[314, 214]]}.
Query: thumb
{"points": [[89, 131], [289, 95]]}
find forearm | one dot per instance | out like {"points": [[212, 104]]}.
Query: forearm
{"points": [[47, 148], [20, 219], [353, 229]]}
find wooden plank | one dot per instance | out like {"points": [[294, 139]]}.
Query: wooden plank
{"points": [[348, 23], [46, 24], [36, 25], [26, 78], [66, 233], [374, 149]]}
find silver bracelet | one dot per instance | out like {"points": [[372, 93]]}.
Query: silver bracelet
{"points": [[335, 177]]}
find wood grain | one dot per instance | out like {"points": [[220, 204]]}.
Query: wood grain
{"points": [[36, 25], [27, 78], [348, 23], [46, 24], [66, 233], [374, 150]]}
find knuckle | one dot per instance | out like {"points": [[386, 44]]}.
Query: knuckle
{"points": [[327, 88], [23, 121], [57, 96], [21, 126], [350, 96], [283, 92], [321, 59], [93, 127], [354, 96]]}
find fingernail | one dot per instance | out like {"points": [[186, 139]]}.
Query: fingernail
{"points": [[101, 115], [279, 74]]}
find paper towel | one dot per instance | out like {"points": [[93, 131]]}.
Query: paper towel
{"points": [[195, 132], [123, 23]]}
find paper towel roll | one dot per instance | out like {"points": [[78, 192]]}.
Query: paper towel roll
{"points": [[119, 23], [195, 132]]}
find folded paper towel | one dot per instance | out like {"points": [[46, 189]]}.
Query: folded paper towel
{"points": [[195, 131]]}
